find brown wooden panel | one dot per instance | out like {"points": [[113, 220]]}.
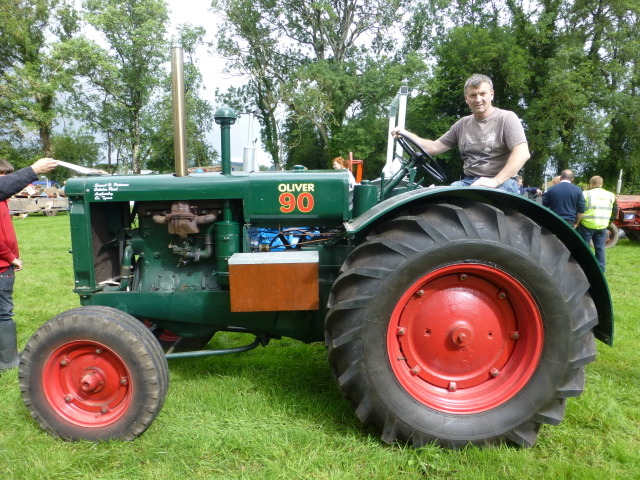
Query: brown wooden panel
{"points": [[274, 283]]}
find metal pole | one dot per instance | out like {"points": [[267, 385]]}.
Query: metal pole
{"points": [[397, 113], [179, 115]]}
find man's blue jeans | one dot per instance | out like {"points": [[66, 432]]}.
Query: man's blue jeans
{"points": [[7, 279], [510, 185], [598, 237]]}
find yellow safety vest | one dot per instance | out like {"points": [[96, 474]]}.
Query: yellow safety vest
{"points": [[599, 204]]}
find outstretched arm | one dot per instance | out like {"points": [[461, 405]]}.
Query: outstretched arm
{"points": [[16, 181]]}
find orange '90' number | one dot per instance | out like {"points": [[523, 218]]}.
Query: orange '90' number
{"points": [[289, 202]]}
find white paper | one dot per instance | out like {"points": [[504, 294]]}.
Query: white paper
{"points": [[80, 169]]}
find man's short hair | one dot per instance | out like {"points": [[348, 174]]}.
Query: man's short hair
{"points": [[566, 175], [476, 80], [596, 182], [5, 167]]}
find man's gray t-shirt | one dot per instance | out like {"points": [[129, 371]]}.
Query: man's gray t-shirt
{"points": [[485, 145]]}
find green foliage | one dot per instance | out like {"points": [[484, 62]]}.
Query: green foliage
{"points": [[19, 154], [307, 57], [31, 78], [74, 147], [159, 123]]}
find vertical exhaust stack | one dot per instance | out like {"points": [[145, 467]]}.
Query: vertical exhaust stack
{"points": [[179, 115]]}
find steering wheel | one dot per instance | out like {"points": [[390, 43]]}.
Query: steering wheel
{"points": [[420, 156]]}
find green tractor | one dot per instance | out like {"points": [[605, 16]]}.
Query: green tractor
{"points": [[450, 315]]}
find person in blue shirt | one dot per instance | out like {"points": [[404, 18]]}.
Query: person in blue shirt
{"points": [[566, 199]]}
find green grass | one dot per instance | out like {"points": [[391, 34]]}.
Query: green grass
{"points": [[276, 412]]}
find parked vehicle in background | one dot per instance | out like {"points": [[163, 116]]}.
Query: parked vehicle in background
{"points": [[627, 218]]}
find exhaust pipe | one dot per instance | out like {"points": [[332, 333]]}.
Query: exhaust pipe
{"points": [[179, 115]]}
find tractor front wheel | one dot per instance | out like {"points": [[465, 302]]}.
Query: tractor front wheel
{"points": [[93, 373], [460, 323]]}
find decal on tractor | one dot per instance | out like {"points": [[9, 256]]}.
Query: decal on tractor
{"points": [[304, 202]]}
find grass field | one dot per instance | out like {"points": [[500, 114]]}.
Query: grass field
{"points": [[276, 413]]}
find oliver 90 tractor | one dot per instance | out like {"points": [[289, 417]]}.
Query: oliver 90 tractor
{"points": [[450, 315]]}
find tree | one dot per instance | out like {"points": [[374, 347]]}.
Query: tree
{"points": [[76, 147], [308, 57], [120, 81], [199, 112], [30, 77]]}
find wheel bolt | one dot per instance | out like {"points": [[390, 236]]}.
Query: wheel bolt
{"points": [[104, 409], [64, 362], [452, 387], [415, 370], [420, 293], [401, 331], [463, 276], [68, 398], [494, 372], [98, 351], [123, 381], [515, 335], [502, 295]]}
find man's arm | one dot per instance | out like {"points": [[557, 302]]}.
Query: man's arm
{"points": [[578, 219], [581, 207], [519, 156], [16, 181], [432, 147]]}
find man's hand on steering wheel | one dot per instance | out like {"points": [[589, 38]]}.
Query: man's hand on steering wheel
{"points": [[419, 155]]}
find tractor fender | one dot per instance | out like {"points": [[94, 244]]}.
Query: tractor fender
{"points": [[599, 290]]}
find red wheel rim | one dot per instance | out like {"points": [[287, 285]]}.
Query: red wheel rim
{"points": [[87, 384], [465, 338]]}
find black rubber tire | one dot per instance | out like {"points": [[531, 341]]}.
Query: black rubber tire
{"points": [[612, 236], [380, 271], [132, 375], [156, 349], [633, 235]]}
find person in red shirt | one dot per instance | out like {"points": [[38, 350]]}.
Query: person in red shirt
{"points": [[10, 183]]}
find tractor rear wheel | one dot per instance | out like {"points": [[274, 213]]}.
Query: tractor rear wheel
{"points": [[460, 323], [93, 373]]}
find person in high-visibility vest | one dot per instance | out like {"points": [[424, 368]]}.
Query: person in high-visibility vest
{"points": [[597, 216]]}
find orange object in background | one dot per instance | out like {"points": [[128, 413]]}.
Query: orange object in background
{"points": [[356, 168]]}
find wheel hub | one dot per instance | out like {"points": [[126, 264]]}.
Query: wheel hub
{"points": [[465, 338], [87, 384]]}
